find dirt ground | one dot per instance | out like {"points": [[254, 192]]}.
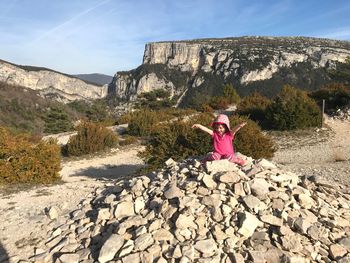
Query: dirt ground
{"points": [[24, 225]]}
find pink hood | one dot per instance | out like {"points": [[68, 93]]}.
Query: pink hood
{"points": [[222, 119]]}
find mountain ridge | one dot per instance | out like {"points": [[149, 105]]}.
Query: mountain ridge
{"points": [[204, 66]]}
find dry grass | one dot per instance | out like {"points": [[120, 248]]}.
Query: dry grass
{"points": [[339, 156]]}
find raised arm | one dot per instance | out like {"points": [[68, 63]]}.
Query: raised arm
{"points": [[203, 128], [238, 127]]}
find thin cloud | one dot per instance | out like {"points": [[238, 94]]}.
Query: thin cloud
{"points": [[339, 33], [69, 21]]}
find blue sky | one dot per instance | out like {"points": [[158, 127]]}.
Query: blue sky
{"points": [[106, 36]]}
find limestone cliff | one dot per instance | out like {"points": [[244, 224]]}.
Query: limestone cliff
{"points": [[50, 83], [201, 67]]}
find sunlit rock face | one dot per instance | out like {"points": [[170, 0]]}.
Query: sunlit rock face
{"points": [[49, 83], [249, 63]]}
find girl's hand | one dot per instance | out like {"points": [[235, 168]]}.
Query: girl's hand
{"points": [[242, 124], [195, 126]]}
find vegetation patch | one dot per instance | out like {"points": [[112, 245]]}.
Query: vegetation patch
{"points": [[23, 160]]}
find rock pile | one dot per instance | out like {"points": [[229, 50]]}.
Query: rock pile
{"points": [[183, 213], [343, 114]]}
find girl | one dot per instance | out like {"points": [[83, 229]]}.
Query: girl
{"points": [[222, 139]]}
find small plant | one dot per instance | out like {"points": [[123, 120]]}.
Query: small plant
{"points": [[127, 140], [25, 161], [91, 138]]}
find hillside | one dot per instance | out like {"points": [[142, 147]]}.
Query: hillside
{"points": [[49, 83]]}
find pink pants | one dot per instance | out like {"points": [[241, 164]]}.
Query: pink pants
{"points": [[216, 156]]}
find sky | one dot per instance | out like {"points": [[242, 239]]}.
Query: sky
{"points": [[106, 36]]}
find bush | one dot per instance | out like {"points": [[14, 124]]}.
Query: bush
{"points": [[23, 161], [57, 120], [142, 122], [336, 96], [91, 137], [250, 140], [231, 94], [254, 106], [292, 109], [178, 141], [219, 103]]}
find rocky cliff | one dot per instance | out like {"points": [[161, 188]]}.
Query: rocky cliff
{"points": [[50, 83], [193, 70]]}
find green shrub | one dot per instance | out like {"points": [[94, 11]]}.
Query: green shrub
{"points": [[336, 96], [250, 140], [218, 103], [142, 122], [25, 161], [178, 140], [231, 94], [57, 120], [254, 106], [292, 109], [91, 138]]}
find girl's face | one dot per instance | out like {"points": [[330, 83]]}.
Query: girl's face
{"points": [[220, 128]]}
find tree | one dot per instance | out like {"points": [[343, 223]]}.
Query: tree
{"points": [[230, 93], [57, 120]]}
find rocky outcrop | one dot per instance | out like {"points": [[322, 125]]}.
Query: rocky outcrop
{"points": [[250, 63], [49, 83], [182, 213]]}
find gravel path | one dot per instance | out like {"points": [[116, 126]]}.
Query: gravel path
{"points": [[327, 157]]}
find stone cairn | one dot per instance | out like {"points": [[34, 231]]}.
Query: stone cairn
{"points": [[224, 213]]}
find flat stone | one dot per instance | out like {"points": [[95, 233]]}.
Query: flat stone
{"points": [[184, 221], [207, 247], [69, 258], [254, 203], [132, 258], [162, 235], [249, 223], [209, 181], [337, 251], [259, 187], [229, 177], [220, 166], [265, 164], [110, 248], [124, 209], [173, 192], [272, 220], [144, 241]]}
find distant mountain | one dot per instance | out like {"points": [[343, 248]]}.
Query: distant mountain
{"points": [[50, 83], [96, 78]]}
